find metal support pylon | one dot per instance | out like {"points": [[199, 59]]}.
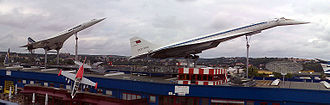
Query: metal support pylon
{"points": [[247, 56], [76, 48]]}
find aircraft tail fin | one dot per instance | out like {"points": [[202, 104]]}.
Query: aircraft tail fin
{"points": [[140, 47], [30, 40], [80, 72]]}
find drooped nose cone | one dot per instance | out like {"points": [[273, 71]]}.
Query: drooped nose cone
{"points": [[98, 20], [291, 22], [92, 22]]}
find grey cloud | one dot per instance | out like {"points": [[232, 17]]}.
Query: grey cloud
{"points": [[164, 22]]}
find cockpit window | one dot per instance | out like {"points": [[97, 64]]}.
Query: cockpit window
{"points": [[282, 18]]}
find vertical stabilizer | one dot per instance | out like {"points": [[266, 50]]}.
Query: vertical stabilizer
{"points": [[140, 46], [80, 72], [30, 40]]}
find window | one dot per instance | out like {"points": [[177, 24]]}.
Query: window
{"points": [[61, 85], [86, 89], [193, 77], [32, 82], [199, 77], [209, 77], [108, 92], [181, 77], [204, 101], [128, 96], [8, 73], [133, 97], [138, 97], [204, 77], [67, 87], [249, 102], [124, 96], [52, 85], [45, 84], [152, 99], [216, 77], [187, 77], [37, 83]]}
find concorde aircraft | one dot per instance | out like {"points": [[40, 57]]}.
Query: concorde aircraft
{"points": [[56, 43], [78, 79], [141, 48]]}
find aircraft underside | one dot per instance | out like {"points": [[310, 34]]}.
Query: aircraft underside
{"points": [[187, 52]]}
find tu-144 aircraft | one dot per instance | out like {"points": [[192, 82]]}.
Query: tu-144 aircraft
{"points": [[78, 79], [141, 48]]}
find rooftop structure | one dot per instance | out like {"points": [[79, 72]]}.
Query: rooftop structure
{"points": [[160, 90]]}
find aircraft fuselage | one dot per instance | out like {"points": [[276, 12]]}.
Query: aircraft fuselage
{"points": [[199, 44]]}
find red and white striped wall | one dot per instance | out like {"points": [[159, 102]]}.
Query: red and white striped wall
{"points": [[203, 71], [210, 71]]}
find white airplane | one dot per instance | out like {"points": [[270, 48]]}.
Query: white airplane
{"points": [[141, 48], [325, 65], [78, 79], [56, 43]]}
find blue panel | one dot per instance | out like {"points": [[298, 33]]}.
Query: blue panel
{"points": [[2, 72], [217, 92]]}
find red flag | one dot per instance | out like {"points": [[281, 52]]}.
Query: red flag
{"points": [[138, 41]]}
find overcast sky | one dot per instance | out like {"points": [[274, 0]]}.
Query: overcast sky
{"points": [[167, 21]]}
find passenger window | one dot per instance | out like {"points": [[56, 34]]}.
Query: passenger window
{"points": [[152, 99], [204, 77], [209, 77], [199, 77]]}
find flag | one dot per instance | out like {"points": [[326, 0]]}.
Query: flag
{"points": [[138, 41]]}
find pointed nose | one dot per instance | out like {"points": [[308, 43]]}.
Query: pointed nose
{"points": [[292, 22], [100, 20], [300, 22]]}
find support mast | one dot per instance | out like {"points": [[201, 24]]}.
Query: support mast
{"points": [[247, 56], [76, 48]]}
